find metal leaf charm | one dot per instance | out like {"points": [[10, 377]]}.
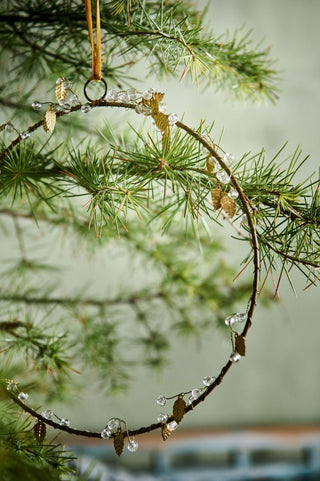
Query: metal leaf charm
{"points": [[216, 198], [240, 345], [118, 442], [162, 121], [39, 431], [61, 92], [179, 408], [165, 432], [50, 120], [228, 205]]}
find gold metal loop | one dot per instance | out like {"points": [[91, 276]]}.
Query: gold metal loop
{"points": [[94, 80]]}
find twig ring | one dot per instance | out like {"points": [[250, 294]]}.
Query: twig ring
{"points": [[95, 80]]}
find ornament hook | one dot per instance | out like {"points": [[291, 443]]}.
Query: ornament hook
{"points": [[95, 80]]}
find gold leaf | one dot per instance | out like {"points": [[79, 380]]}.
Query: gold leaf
{"points": [[228, 205], [158, 96], [179, 408], [50, 120], [61, 92], [165, 432], [216, 197], [162, 121], [240, 345], [118, 442], [39, 431], [210, 163]]}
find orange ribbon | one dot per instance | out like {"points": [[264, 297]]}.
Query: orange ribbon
{"points": [[96, 50]]}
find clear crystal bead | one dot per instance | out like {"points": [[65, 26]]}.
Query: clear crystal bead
{"points": [[106, 433], [66, 84], [65, 106], [162, 418], [223, 177], [36, 105], [228, 158], [11, 385], [233, 194], [25, 135], [133, 446], [147, 94], [112, 95], [132, 94], [48, 414], [123, 97], [65, 422], [85, 108], [241, 316], [23, 396], [195, 392], [191, 399], [113, 424], [74, 100], [172, 426], [9, 127], [235, 357], [162, 107], [162, 400], [208, 380], [173, 119]]}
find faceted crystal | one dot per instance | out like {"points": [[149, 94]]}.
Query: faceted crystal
{"points": [[9, 127], [133, 445], [65, 106], [132, 94], [230, 320], [172, 426], [191, 399], [25, 135], [173, 119], [233, 194], [106, 433], [162, 418], [65, 422], [74, 100], [223, 177], [196, 392], [66, 84], [147, 94], [208, 380], [162, 107], [23, 396], [85, 108], [113, 424], [48, 414], [112, 95], [123, 97], [161, 400], [228, 158], [36, 105], [235, 357]]}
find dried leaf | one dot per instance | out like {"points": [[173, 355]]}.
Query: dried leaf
{"points": [[228, 205], [61, 92], [179, 408], [50, 120], [118, 442], [240, 345], [216, 197], [39, 431], [165, 432]]}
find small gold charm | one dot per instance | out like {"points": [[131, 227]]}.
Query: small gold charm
{"points": [[118, 442], [240, 344], [50, 120], [39, 431], [179, 408], [228, 205]]}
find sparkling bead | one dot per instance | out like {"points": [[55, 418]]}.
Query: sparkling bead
{"points": [[147, 94], [11, 385], [196, 392], [65, 106], [230, 320], [132, 94], [74, 99], [23, 396], [208, 380], [235, 357], [112, 95], [85, 108], [244, 219], [65, 422], [233, 194], [173, 119], [162, 418], [162, 107], [142, 109], [228, 158], [106, 433], [9, 127], [36, 105], [113, 424], [133, 446], [66, 84], [172, 426], [223, 177], [48, 414], [191, 399], [161, 400], [123, 97], [25, 135]]}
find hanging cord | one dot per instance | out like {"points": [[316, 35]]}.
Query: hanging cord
{"points": [[95, 49]]}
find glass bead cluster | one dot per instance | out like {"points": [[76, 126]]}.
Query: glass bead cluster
{"points": [[113, 425], [237, 317]]}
